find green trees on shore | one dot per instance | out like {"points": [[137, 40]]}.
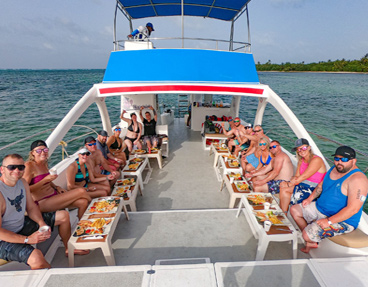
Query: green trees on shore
{"points": [[329, 66]]}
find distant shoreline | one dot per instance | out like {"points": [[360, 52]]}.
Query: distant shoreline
{"points": [[319, 72]]}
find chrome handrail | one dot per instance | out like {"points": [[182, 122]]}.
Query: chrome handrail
{"points": [[244, 45]]}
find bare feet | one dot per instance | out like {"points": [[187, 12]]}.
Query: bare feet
{"points": [[78, 252], [309, 246]]}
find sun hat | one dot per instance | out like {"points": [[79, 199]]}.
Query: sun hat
{"points": [[83, 150]]}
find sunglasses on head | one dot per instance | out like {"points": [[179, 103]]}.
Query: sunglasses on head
{"points": [[85, 153], [262, 144], [13, 167], [118, 130], [91, 144], [343, 159], [39, 151], [304, 148], [273, 146]]}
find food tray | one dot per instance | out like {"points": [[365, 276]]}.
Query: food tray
{"points": [[93, 227], [125, 182], [277, 218], [259, 199], [119, 191], [242, 186], [103, 205]]}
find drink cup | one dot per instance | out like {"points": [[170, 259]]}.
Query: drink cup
{"points": [[44, 228], [267, 225], [266, 205], [53, 171]]}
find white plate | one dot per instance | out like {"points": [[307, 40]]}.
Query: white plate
{"points": [[105, 228], [113, 210]]}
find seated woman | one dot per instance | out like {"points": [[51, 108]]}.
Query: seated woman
{"points": [[310, 171], [134, 132], [263, 155], [115, 145], [45, 193], [250, 157], [77, 175]]}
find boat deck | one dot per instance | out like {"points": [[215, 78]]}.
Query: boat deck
{"points": [[183, 234]]}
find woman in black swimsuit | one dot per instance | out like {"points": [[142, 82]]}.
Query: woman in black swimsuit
{"points": [[134, 131], [115, 145]]}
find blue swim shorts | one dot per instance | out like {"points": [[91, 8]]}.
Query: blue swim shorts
{"points": [[301, 191], [274, 186], [21, 252]]}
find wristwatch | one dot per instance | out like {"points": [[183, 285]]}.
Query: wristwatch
{"points": [[329, 222], [26, 240]]}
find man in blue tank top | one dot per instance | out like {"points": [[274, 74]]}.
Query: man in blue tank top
{"points": [[339, 204]]}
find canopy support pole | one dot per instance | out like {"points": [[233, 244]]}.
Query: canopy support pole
{"points": [[182, 23]]}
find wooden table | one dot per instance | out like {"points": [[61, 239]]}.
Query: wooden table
{"points": [[226, 168], [103, 242], [287, 233]]}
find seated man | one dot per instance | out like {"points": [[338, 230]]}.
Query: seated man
{"points": [[150, 137], [339, 205], [280, 169], [114, 162], [99, 164], [236, 130], [17, 231]]}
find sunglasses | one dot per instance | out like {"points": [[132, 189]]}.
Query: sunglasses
{"points": [[257, 131], [343, 159], [85, 153], [118, 130], [273, 146], [92, 144], [236, 121], [39, 151], [247, 128], [13, 167], [304, 148], [262, 144]]}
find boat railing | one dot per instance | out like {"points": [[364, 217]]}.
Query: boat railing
{"points": [[63, 144], [205, 43], [363, 157]]}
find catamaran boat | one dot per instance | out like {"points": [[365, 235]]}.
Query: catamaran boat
{"points": [[181, 231]]}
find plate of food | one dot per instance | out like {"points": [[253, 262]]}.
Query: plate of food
{"points": [[259, 199], [139, 151], [234, 163], [127, 181], [231, 157], [276, 218], [242, 186], [98, 226], [103, 205], [133, 166], [236, 176], [136, 159], [120, 191]]}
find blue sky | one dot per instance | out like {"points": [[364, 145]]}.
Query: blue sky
{"points": [[72, 34]]}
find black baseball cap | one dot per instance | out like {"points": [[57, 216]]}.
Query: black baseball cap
{"points": [[89, 139], [103, 133], [38, 143], [300, 142], [345, 151]]}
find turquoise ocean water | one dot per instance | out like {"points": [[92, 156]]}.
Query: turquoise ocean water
{"points": [[332, 105]]}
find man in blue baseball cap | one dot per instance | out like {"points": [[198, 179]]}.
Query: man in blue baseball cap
{"points": [[142, 33]]}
